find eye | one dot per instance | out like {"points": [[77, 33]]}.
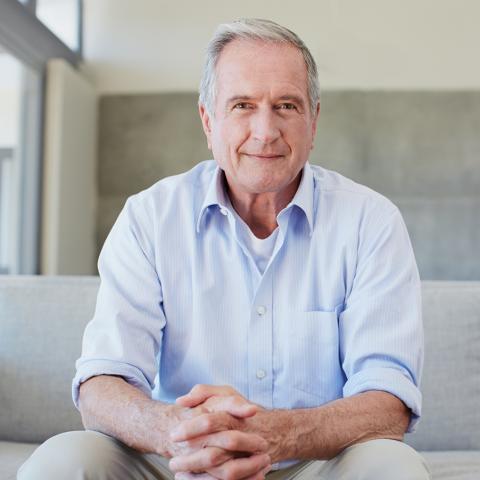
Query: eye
{"points": [[287, 106], [241, 106]]}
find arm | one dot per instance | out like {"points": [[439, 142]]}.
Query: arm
{"points": [[110, 405], [323, 432], [381, 350], [316, 433], [117, 369]]}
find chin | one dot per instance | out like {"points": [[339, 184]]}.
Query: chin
{"points": [[264, 187]]}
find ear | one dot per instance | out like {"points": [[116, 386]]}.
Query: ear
{"points": [[314, 123], [205, 117]]}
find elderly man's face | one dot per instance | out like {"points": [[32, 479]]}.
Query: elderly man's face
{"points": [[262, 131]]}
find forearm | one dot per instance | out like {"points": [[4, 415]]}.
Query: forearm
{"points": [[323, 432], [110, 405]]}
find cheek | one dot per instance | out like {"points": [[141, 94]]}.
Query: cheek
{"points": [[300, 137], [233, 135]]}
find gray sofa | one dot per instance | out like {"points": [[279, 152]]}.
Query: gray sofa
{"points": [[41, 325]]}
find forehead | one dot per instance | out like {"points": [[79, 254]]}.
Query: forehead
{"points": [[254, 67]]}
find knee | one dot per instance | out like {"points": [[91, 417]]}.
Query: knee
{"points": [[71, 455], [380, 459]]}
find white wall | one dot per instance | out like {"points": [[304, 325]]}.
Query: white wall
{"points": [[158, 45], [70, 180]]}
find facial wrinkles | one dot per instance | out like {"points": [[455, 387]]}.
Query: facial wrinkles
{"points": [[273, 82]]}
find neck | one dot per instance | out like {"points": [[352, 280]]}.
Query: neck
{"points": [[259, 210]]}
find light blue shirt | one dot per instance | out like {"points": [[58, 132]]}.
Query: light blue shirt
{"points": [[336, 312]]}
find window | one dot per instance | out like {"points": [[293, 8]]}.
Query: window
{"points": [[62, 18], [26, 44], [20, 94]]}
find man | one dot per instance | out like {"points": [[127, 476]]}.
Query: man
{"points": [[273, 307]]}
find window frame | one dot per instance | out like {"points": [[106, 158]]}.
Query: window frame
{"points": [[25, 37]]}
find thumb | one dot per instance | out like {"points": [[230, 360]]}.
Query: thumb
{"points": [[192, 399], [236, 406]]}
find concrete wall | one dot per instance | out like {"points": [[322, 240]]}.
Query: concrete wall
{"points": [[397, 113], [420, 149]]}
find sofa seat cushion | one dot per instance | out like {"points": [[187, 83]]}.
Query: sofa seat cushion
{"points": [[12, 455], [454, 465]]}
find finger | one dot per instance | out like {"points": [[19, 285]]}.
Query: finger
{"points": [[200, 460], [259, 475], [199, 393], [235, 405], [239, 468], [202, 425], [193, 476], [235, 441]]}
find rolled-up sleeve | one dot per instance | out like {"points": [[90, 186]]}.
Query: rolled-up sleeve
{"points": [[125, 334], [381, 330]]}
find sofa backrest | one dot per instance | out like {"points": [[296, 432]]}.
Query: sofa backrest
{"points": [[42, 321], [41, 326], [451, 374]]}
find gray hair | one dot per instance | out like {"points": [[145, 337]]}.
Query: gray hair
{"points": [[253, 29]]}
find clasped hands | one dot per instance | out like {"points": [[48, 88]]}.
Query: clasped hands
{"points": [[211, 441]]}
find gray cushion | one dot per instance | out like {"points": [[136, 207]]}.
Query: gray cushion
{"points": [[12, 455], [443, 465], [41, 322], [453, 465], [451, 377]]}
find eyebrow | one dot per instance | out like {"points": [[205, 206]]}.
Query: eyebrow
{"points": [[236, 98], [292, 98]]}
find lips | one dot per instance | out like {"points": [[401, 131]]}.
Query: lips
{"points": [[266, 156]]}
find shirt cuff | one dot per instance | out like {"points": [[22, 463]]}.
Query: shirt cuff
{"points": [[92, 368], [388, 380]]}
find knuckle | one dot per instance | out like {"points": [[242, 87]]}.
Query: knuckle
{"points": [[231, 473], [238, 401], [212, 456], [230, 441], [208, 422], [228, 421], [198, 388]]}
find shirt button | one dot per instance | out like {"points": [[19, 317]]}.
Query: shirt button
{"points": [[223, 211], [261, 310], [261, 374]]}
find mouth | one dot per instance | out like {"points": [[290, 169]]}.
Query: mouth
{"points": [[263, 156]]}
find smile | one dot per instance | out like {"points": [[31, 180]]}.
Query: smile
{"points": [[263, 156]]}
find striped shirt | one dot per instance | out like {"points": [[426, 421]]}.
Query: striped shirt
{"points": [[335, 311]]}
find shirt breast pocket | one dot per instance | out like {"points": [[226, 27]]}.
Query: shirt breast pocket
{"points": [[314, 360]]}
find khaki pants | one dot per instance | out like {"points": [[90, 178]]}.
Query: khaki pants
{"points": [[91, 455]]}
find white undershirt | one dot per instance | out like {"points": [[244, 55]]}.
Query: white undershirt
{"points": [[260, 249]]}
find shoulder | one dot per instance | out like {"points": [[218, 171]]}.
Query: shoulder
{"points": [[175, 192], [344, 195]]}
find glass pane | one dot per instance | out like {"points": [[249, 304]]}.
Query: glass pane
{"points": [[19, 154], [61, 17]]}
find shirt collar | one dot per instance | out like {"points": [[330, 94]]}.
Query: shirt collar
{"points": [[215, 195], [303, 198]]}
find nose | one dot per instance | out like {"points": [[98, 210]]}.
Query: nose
{"points": [[264, 126]]}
